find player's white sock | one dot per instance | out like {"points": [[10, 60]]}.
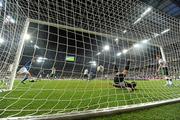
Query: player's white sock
{"points": [[167, 83], [170, 83]]}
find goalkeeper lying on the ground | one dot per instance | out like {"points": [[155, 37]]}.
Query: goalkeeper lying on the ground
{"points": [[119, 78]]}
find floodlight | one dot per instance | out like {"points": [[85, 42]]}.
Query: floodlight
{"points": [[145, 40], [1, 4], [27, 36], [31, 41], [98, 53], [156, 34], [106, 47], [1, 40], [125, 51], [136, 45], [36, 47], [143, 14], [146, 11], [124, 31], [93, 63], [41, 59], [165, 31], [10, 19], [116, 40], [118, 54], [137, 20]]}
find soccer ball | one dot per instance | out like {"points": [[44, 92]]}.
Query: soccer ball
{"points": [[100, 68]]}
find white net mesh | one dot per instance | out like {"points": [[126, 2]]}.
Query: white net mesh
{"points": [[12, 21], [77, 46]]}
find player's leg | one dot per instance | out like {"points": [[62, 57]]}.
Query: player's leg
{"points": [[26, 77], [165, 76], [119, 85], [127, 65], [130, 86], [21, 71], [119, 77], [85, 76], [51, 76], [168, 79], [115, 69]]}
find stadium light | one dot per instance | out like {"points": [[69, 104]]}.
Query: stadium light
{"points": [[146, 11], [41, 59], [125, 51], [1, 40], [136, 45], [118, 54], [156, 34], [93, 63], [145, 41], [36, 47], [165, 31], [1, 5], [116, 40], [143, 14], [137, 20], [106, 47], [124, 31], [98, 53], [10, 19], [27, 37]]}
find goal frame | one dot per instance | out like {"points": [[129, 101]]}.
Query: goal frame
{"points": [[18, 54], [84, 30], [25, 29], [86, 113]]}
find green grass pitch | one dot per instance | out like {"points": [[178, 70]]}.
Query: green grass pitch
{"points": [[165, 112], [58, 96]]}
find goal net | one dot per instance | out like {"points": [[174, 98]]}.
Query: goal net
{"points": [[12, 22], [73, 50]]}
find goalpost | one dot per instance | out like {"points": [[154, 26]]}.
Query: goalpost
{"points": [[18, 54], [101, 111], [14, 25], [67, 37]]}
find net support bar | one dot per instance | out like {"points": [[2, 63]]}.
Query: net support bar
{"points": [[18, 54], [83, 30], [98, 112]]}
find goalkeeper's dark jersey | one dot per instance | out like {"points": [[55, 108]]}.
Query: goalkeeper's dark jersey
{"points": [[118, 78]]}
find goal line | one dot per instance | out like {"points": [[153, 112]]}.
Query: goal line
{"points": [[99, 112]]}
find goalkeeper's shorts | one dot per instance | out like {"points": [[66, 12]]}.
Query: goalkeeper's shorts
{"points": [[130, 85], [118, 78]]}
